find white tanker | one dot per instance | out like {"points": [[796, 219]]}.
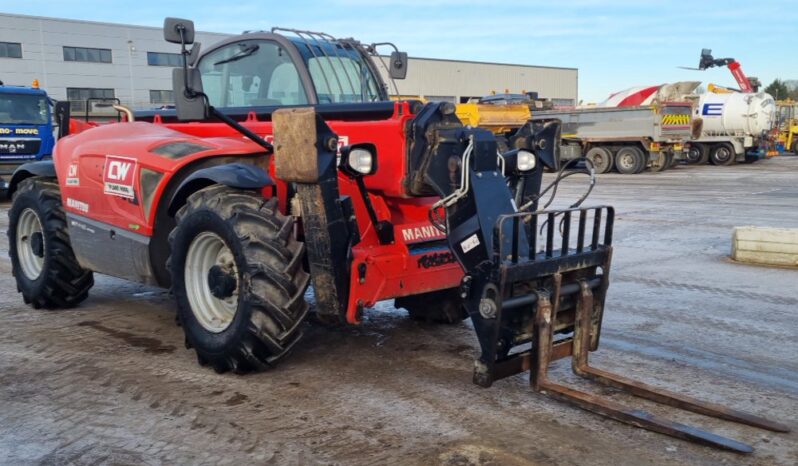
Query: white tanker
{"points": [[735, 126]]}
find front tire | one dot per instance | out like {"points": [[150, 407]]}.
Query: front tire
{"points": [[238, 277], [42, 261]]}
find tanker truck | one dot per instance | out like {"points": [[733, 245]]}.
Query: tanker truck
{"points": [[736, 127]]}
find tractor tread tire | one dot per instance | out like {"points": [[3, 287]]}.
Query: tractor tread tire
{"points": [[272, 306], [63, 283]]}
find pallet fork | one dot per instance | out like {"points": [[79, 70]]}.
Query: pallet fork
{"points": [[535, 294]]}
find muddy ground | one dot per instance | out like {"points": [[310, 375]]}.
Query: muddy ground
{"points": [[110, 381]]}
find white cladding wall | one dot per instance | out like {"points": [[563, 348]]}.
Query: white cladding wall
{"points": [[428, 77], [128, 73], [132, 78]]}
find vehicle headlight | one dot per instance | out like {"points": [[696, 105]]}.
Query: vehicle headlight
{"points": [[361, 161], [526, 161], [358, 160]]}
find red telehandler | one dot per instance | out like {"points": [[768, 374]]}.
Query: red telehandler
{"points": [[285, 163], [747, 85]]}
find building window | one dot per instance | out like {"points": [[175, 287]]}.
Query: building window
{"points": [[161, 97], [77, 96], [10, 50], [87, 54], [164, 59]]}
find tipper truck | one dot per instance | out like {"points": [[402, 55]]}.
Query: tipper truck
{"points": [[629, 138]]}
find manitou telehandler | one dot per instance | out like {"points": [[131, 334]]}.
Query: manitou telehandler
{"points": [[285, 162]]}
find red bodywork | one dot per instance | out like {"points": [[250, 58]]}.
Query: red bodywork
{"points": [[107, 162], [740, 77]]}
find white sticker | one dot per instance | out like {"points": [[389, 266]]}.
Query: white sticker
{"points": [[119, 175], [470, 243], [80, 206], [72, 175]]}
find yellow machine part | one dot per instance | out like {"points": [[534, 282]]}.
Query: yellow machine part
{"points": [[498, 119], [788, 123]]}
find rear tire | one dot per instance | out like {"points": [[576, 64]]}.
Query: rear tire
{"points": [[238, 277], [602, 159], [630, 160], [795, 147], [42, 261], [438, 307], [697, 154], [723, 154], [662, 163]]}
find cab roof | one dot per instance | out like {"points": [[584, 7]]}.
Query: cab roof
{"points": [[21, 90]]}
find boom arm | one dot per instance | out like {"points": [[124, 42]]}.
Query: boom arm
{"points": [[708, 61]]}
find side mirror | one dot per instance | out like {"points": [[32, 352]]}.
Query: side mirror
{"points": [[398, 65], [178, 31], [190, 101]]}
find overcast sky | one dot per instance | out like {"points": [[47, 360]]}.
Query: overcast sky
{"points": [[616, 44]]}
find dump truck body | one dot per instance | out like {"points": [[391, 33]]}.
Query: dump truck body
{"points": [[650, 132]]}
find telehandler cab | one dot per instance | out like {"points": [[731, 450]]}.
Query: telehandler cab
{"points": [[285, 162]]}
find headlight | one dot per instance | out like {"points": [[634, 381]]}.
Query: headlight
{"points": [[361, 161], [526, 161], [358, 160]]}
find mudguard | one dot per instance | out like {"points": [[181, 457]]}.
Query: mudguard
{"points": [[234, 175], [27, 170]]}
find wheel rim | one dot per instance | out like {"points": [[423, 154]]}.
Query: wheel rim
{"points": [[30, 244], [599, 161], [208, 251], [693, 154], [723, 154], [626, 161]]}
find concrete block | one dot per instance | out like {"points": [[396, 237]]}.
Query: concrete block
{"points": [[768, 246]]}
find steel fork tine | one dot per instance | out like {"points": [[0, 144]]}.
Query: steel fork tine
{"points": [[582, 368]]}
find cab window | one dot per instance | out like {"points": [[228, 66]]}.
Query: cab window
{"points": [[251, 73], [342, 79]]}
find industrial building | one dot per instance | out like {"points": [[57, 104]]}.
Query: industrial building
{"points": [[74, 60]]}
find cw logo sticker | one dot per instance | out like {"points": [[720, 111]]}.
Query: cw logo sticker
{"points": [[674, 120]]}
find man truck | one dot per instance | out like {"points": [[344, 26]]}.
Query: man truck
{"points": [[26, 129]]}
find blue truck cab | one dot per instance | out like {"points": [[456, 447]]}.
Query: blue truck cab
{"points": [[26, 129]]}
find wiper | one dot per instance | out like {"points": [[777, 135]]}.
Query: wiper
{"points": [[246, 50]]}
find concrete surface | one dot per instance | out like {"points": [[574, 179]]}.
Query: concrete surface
{"points": [[110, 382]]}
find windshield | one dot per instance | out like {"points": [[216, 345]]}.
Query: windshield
{"points": [[251, 73], [23, 109], [260, 72], [340, 74]]}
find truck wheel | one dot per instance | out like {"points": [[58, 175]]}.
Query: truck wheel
{"points": [[601, 158], [42, 261], [238, 278], [630, 160], [723, 154], [795, 148], [440, 307], [662, 162], [697, 154]]}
